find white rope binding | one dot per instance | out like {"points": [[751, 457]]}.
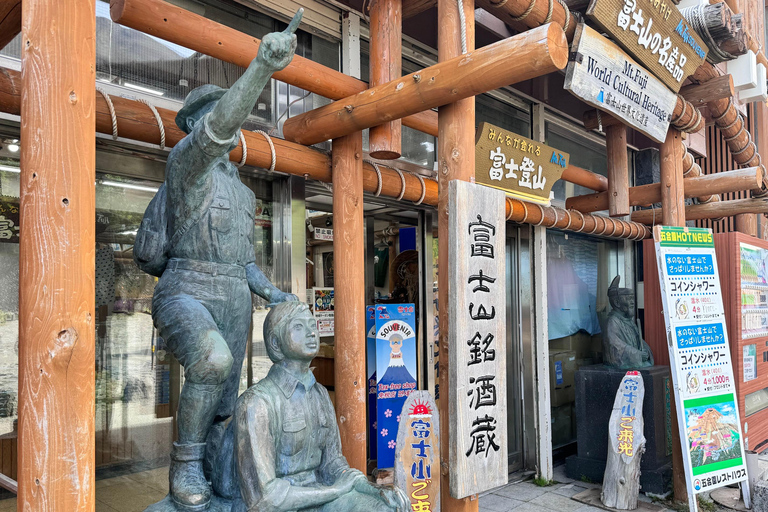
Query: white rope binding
{"points": [[271, 148], [463, 26], [159, 120], [423, 190], [402, 187], [244, 144], [111, 108]]}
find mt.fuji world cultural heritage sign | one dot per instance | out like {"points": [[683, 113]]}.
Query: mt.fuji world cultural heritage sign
{"points": [[602, 75], [700, 357], [477, 388]]}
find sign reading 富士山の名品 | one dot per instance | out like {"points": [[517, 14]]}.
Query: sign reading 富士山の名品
{"points": [[700, 357], [524, 168], [477, 389], [655, 33], [605, 77]]}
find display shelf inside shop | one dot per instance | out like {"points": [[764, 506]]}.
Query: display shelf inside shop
{"points": [[754, 309]]}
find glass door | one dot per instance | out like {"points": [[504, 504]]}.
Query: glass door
{"points": [[514, 346]]}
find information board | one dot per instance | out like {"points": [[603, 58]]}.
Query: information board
{"points": [[477, 387], [702, 373]]}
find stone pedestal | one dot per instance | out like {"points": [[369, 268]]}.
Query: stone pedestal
{"points": [[596, 388]]}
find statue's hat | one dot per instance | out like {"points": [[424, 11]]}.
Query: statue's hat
{"points": [[615, 291], [195, 100]]}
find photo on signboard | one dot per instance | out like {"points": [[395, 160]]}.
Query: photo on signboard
{"points": [[713, 433]]}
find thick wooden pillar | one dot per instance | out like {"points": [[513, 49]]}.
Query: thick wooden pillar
{"points": [[57, 257], [349, 262], [618, 170], [747, 223], [386, 65], [456, 161], [673, 214]]}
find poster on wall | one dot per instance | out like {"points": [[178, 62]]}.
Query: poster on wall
{"points": [[754, 291], [750, 362], [702, 373], [370, 371], [395, 373], [322, 307]]}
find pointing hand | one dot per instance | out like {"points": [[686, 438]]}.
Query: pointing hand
{"points": [[277, 48]]}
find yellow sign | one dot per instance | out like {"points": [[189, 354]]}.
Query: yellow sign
{"points": [[523, 168]]}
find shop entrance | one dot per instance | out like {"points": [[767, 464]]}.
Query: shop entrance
{"points": [[514, 352]]}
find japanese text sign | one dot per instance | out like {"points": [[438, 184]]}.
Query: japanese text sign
{"points": [[9, 223], [625, 431], [607, 78], [522, 167], [655, 33], [700, 357], [417, 456], [477, 358], [322, 307]]}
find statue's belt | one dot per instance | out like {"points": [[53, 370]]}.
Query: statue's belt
{"points": [[206, 267]]}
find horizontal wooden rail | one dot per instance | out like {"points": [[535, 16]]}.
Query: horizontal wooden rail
{"points": [[585, 178], [534, 53], [707, 211], [644, 195], [185, 28], [511, 11]]}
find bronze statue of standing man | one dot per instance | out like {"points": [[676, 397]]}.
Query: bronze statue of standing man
{"points": [[202, 304], [623, 345]]}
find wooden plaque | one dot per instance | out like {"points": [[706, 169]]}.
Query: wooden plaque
{"points": [[477, 388], [605, 77], [655, 33], [520, 166], [417, 456]]}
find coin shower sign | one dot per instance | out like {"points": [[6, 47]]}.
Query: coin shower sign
{"points": [[522, 167], [477, 369], [701, 358], [655, 33], [607, 78]]}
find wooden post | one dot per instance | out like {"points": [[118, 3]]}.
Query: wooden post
{"points": [[672, 193], [618, 170], [747, 223], [57, 254], [537, 52], [10, 21], [349, 262], [456, 161], [386, 65]]}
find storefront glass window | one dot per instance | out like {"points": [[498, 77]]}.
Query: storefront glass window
{"points": [[583, 153]]}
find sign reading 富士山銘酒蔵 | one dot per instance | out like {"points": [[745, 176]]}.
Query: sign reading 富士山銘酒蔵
{"points": [[522, 167], [655, 33]]}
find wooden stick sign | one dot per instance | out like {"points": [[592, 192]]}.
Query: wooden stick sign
{"points": [[626, 445], [417, 456], [655, 33], [605, 77]]}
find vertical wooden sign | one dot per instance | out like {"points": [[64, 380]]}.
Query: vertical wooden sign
{"points": [[477, 359], [417, 456], [626, 445]]}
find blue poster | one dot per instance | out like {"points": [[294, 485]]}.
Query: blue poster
{"points": [[370, 366], [395, 371]]}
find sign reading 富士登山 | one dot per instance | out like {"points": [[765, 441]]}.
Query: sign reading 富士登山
{"points": [[477, 390], [702, 374], [655, 33], [605, 77], [522, 167]]}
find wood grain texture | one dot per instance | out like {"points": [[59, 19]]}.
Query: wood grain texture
{"points": [[177, 25], [414, 7], [644, 195], [56, 259], [585, 178], [537, 52], [349, 261], [10, 21], [672, 193], [706, 211], [607, 78], [477, 412], [618, 170], [455, 154], [387, 65], [716, 89], [645, 40], [508, 11]]}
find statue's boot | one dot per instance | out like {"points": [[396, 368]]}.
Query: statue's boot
{"points": [[189, 489]]}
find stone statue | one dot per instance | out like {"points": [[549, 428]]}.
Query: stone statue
{"points": [[623, 345], [202, 303], [282, 450]]}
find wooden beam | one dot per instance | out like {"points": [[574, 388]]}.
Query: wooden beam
{"points": [[618, 170], [386, 66], [349, 260], [10, 21], [585, 178], [701, 94], [644, 195], [177, 25], [456, 161], [706, 211], [57, 252], [414, 7], [511, 9], [537, 52], [672, 193]]}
